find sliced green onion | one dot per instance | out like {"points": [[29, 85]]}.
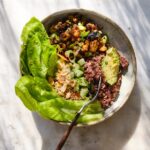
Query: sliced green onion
{"points": [[54, 35], [104, 39], [59, 49], [70, 54]]}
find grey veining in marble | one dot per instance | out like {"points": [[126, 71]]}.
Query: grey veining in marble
{"points": [[22, 130]]}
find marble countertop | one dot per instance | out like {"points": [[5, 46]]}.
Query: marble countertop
{"points": [[20, 129]]}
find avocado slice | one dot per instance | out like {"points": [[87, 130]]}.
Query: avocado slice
{"points": [[110, 66]]}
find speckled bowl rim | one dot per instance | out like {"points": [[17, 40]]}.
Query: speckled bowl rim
{"points": [[131, 48]]}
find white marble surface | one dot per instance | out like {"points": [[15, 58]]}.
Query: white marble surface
{"points": [[20, 129]]}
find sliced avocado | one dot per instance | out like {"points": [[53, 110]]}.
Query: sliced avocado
{"points": [[110, 66]]}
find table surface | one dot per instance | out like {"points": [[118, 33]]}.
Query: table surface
{"points": [[20, 129]]}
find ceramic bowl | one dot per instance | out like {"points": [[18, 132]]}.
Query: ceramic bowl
{"points": [[118, 39]]}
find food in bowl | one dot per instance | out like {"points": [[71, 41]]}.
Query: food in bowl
{"points": [[60, 69], [85, 54]]}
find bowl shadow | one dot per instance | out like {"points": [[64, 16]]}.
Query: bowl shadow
{"points": [[112, 134]]}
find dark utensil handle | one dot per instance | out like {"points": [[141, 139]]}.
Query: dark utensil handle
{"points": [[67, 133], [73, 123]]}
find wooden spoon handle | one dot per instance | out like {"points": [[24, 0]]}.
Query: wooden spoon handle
{"points": [[67, 133]]}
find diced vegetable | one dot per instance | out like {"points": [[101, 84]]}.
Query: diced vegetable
{"points": [[82, 82], [84, 92], [78, 73], [72, 75], [81, 62], [76, 66], [84, 34], [77, 87], [81, 27]]}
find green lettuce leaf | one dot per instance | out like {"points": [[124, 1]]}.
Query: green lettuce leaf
{"points": [[65, 110], [32, 27], [23, 61], [52, 62], [37, 53], [24, 94], [37, 95]]}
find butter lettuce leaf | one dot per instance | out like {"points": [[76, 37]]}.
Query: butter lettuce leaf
{"points": [[23, 61], [32, 27], [52, 63], [37, 95], [23, 93], [65, 110], [37, 53]]}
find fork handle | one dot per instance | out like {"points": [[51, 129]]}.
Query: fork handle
{"points": [[73, 123], [67, 133]]}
